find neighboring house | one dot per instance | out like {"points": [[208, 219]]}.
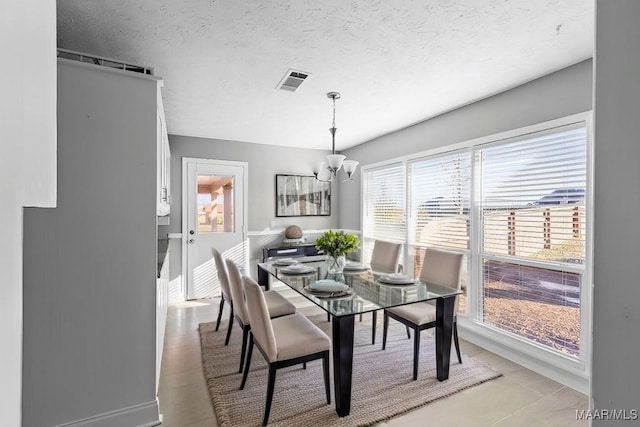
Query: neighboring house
{"points": [[566, 196]]}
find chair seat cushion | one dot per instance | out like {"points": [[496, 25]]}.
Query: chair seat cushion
{"points": [[297, 336], [278, 305], [418, 313]]}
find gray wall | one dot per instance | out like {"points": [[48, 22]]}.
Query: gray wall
{"points": [[27, 166], [265, 161], [616, 303], [559, 94], [90, 263]]}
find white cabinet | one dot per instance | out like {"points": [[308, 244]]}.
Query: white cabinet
{"points": [[164, 163]]}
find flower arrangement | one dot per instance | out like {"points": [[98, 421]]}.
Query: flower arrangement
{"points": [[337, 243]]}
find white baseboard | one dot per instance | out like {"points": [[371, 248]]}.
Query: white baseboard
{"points": [[143, 415]]}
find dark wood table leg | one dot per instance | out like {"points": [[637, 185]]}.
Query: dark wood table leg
{"points": [[444, 327], [263, 278], [342, 342]]}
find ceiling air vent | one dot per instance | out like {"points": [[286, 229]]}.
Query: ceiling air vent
{"points": [[292, 80]]}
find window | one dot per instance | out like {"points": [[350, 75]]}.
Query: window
{"points": [[215, 204], [533, 235], [439, 202], [516, 207], [384, 206]]}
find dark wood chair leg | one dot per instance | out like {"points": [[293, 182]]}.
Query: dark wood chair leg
{"points": [[328, 317], [385, 326], [455, 340], [270, 386], [304, 365], [248, 362], [374, 319], [416, 352], [325, 371], [226, 341], [243, 349], [220, 312], [408, 333]]}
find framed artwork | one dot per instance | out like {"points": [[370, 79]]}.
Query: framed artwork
{"points": [[298, 195]]}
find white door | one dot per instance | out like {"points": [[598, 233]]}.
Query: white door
{"points": [[214, 216]]}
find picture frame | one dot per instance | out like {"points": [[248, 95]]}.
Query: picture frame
{"points": [[301, 195]]}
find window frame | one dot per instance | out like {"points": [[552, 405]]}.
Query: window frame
{"points": [[570, 370]]}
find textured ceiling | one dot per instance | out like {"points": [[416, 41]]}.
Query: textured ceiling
{"points": [[394, 62]]}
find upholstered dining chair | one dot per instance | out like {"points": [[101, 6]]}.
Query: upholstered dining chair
{"points": [[439, 267], [277, 305], [284, 341], [223, 278], [385, 258]]}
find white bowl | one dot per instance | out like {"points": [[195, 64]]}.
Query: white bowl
{"points": [[355, 267], [328, 286], [285, 261], [297, 268], [396, 278]]}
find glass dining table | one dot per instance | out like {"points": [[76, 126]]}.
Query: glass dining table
{"points": [[366, 293]]}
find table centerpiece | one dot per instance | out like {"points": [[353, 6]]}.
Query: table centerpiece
{"points": [[336, 245]]}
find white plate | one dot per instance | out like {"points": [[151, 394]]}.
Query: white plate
{"points": [[297, 269], [355, 267], [285, 261], [328, 286], [348, 293], [397, 279]]}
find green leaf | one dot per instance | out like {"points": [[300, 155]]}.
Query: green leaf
{"points": [[337, 243]]}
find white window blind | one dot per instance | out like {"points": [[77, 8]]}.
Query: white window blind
{"points": [[533, 193], [533, 229], [528, 223], [384, 203], [440, 189]]}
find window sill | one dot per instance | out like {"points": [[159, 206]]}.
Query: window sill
{"points": [[566, 370]]}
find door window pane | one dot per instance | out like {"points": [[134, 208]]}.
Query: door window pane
{"points": [[215, 204]]}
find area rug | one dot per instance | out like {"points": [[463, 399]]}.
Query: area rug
{"points": [[382, 380]]}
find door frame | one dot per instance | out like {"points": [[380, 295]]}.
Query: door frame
{"points": [[184, 212]]}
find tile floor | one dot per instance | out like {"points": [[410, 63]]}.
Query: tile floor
{"points": [[519, 398]]}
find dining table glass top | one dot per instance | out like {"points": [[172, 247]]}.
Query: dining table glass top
{"points": [[364, 290]]}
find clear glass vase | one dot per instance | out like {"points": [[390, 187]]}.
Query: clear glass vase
{"points": [[335, 264]]}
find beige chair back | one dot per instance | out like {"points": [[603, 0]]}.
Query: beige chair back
{"points": [[443, 268], [237, 292], [223, 277], [259, 317], [385, 256]]}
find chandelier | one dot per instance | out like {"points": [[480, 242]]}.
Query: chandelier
{"points": [[326, 171]]}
